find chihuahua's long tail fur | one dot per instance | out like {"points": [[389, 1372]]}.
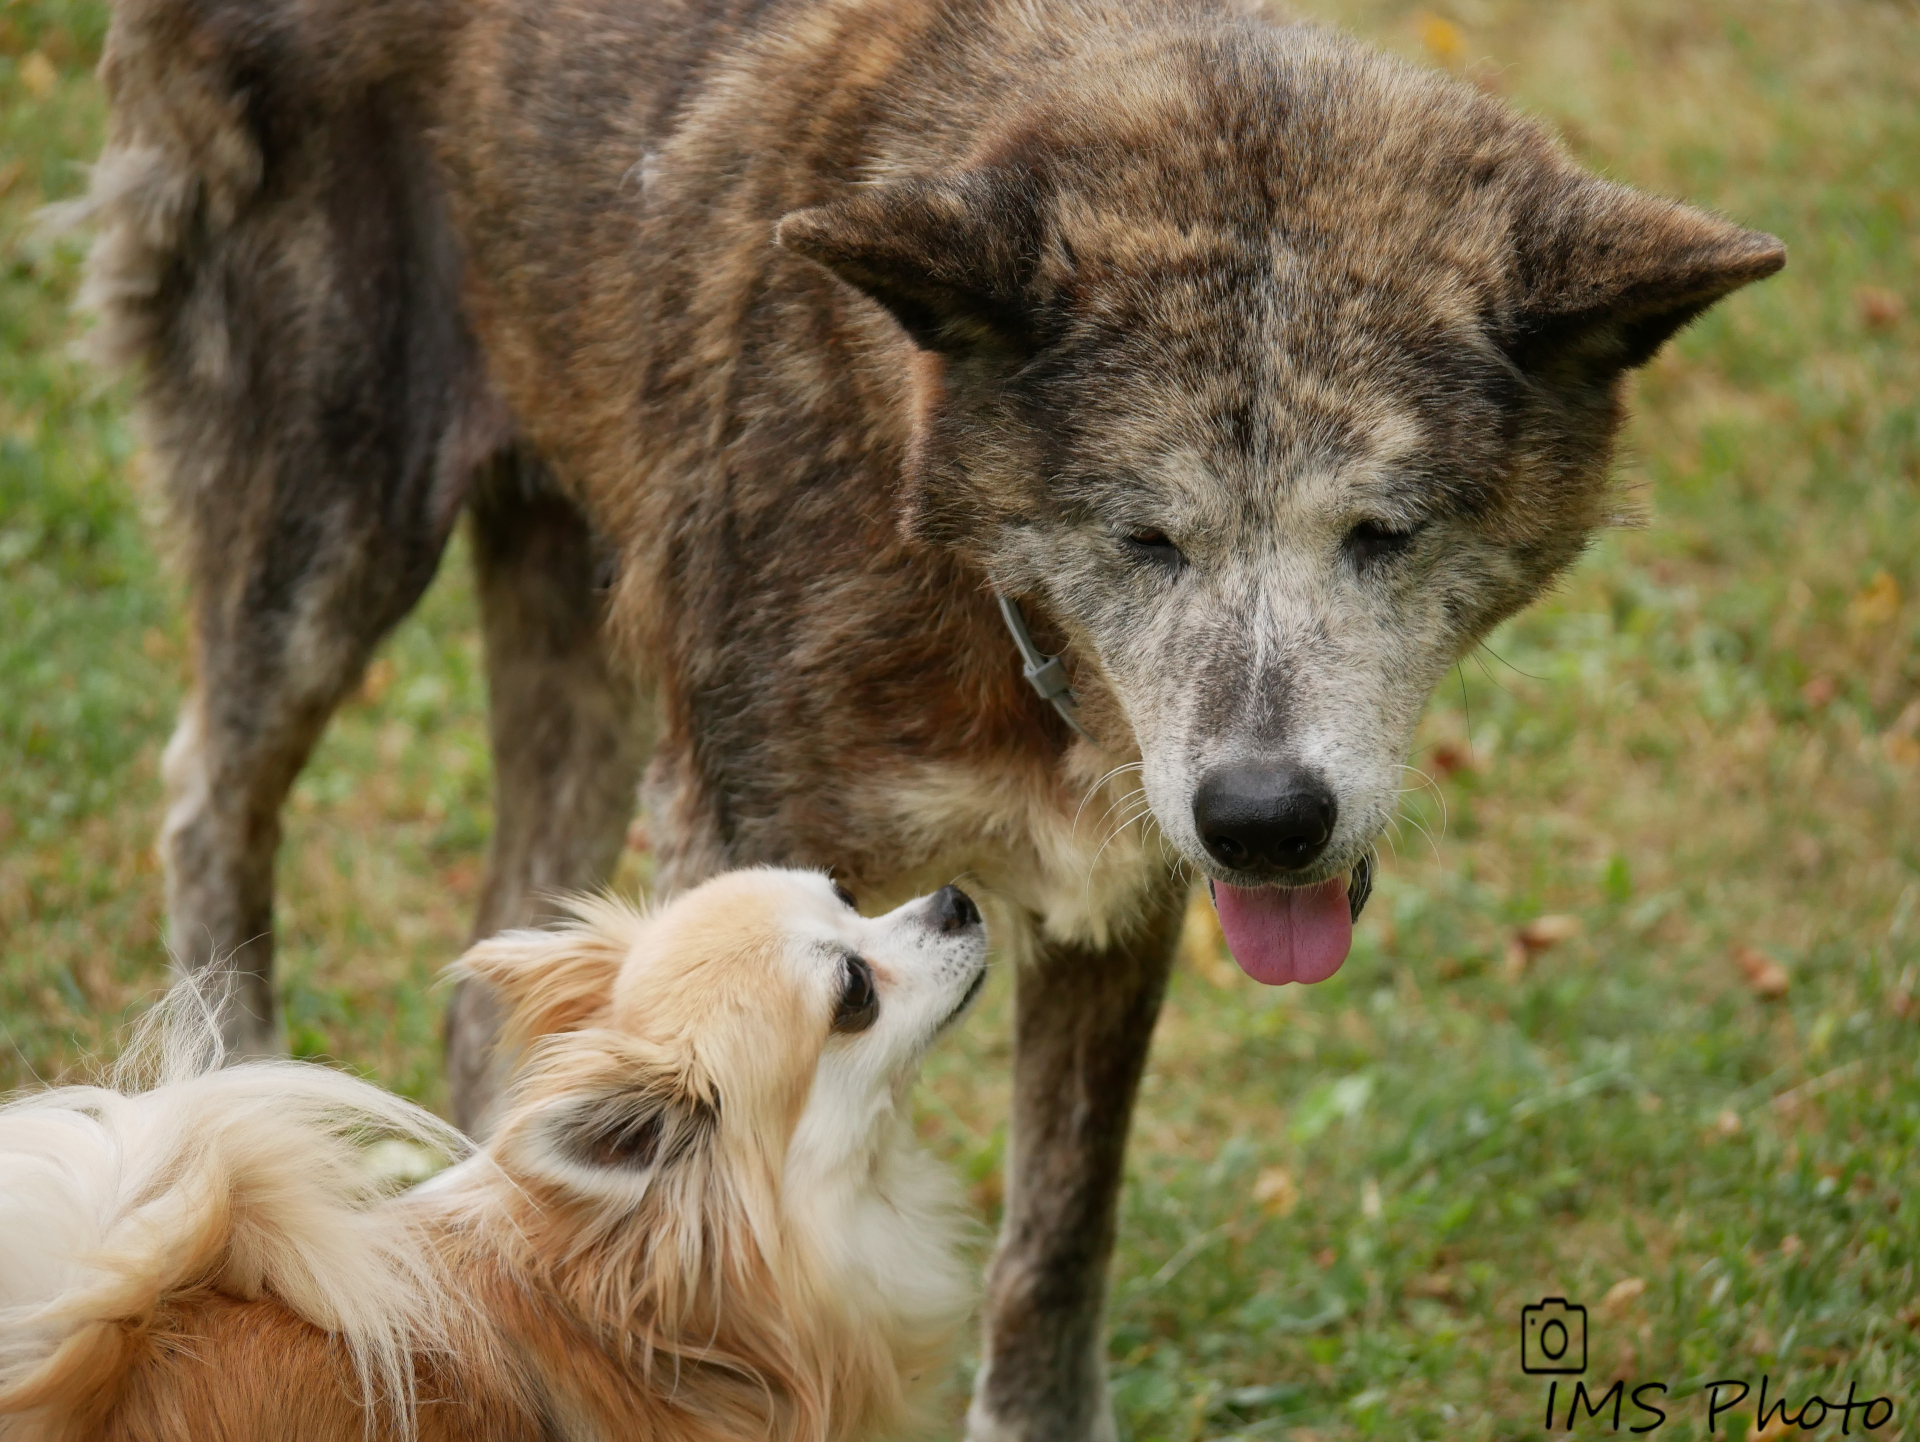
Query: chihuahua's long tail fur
{"points": [[182, 1175]]}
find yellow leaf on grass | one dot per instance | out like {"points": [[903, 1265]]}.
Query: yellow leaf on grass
{"points": [[38, 75], [1877, 603], [1441, 36]]}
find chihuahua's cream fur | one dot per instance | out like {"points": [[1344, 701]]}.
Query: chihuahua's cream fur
{"points": [[703, 1215]]}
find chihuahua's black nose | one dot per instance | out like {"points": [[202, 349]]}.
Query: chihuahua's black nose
{"points": [[1254, 819], [953, 910]]}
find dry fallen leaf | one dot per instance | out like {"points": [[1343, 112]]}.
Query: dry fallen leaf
{"points": [[38, 75], [1536, 936], [1516, 960], [1877, 602], [1766, 977], [1819, 691], [1902, 738], [374, 684], [1274, 1190], [1622, 1294], [1545, 931], [1880, 308], [1437, 1285]]}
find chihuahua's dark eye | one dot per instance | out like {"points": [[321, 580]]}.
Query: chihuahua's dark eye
{"points": [[1152, 545], [859, 1003], [846, 897], [1378, 541]]}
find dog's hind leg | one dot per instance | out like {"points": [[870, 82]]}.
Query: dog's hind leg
{"points": [[285, 615], [1083, 1021], [569, 736], [277, 265]]}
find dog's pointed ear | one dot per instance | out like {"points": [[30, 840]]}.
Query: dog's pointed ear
{"points": [[952, 259], [1606, 275], [558, 980]]}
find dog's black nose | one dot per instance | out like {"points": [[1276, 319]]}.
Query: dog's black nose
{"points": [[952, 910], [1260, 819]]}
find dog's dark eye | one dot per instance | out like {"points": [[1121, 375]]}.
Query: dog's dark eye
{"points": [[1152, 545], [859, 1003], [1378, 541], [846, 897]]}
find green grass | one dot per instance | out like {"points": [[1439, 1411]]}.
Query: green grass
{"points": [[1706, 744]]}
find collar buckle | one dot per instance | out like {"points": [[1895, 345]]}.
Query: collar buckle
{"points": [[1046, 674]]}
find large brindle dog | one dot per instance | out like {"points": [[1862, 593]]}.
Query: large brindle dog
{"points": [[772, 346]]}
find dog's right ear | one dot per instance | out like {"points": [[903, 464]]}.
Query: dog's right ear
{"points": [[559, 980], [626, 1132], [952, 259], [614, 1123]]}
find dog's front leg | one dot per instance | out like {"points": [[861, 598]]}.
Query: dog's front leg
{"points": [[1084, 1019]]}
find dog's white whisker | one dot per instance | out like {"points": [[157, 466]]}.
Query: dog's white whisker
{"points": [[1429, 783], [1134, 798], [1111, 775], [1115, 771], [1432, 845], [1142, 810]]}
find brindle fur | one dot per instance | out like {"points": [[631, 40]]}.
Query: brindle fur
{"points": [[828, 315]]}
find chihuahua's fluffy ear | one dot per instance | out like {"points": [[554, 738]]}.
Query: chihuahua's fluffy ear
{"points": [[614, 1140], [561, 979], [607, 1116]]}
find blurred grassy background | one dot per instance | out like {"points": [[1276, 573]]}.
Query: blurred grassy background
{"points": [[1634, 1017]]}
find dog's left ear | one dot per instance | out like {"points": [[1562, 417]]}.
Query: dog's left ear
{"points": [[1606, 275], [952, 258], [559, 980]]}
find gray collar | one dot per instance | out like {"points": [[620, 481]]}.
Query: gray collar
{"points": [[1046, 674]]}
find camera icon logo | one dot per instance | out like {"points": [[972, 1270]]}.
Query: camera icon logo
{"points": [[1553, 1338]]}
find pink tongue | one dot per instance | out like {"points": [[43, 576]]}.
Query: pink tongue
{"points": [[1280, 934]]}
